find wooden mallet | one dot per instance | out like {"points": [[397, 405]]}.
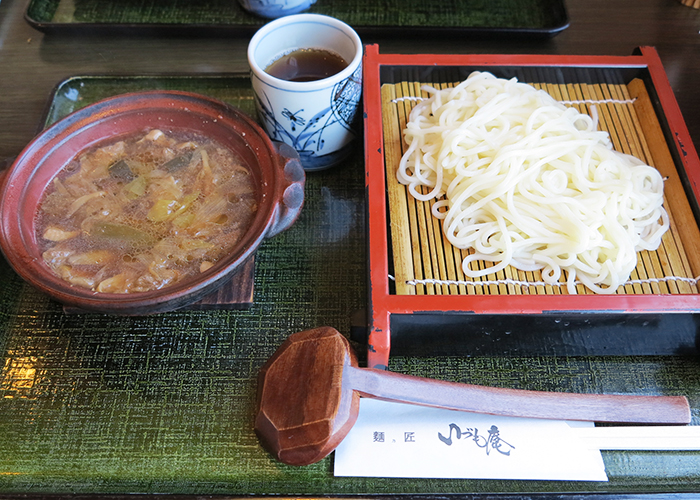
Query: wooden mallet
{"points": [[309, 393]]}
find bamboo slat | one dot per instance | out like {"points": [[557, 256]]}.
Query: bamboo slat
{"points": [[426, 263], [400, 233], [661, 157]]}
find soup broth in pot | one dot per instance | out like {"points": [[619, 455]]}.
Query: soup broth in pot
{"points": [[142, 213]]}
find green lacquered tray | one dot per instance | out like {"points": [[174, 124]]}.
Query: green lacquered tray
{"points": [[217, 17], [165, 403]]}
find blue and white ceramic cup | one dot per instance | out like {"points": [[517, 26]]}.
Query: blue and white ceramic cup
{"points": [[273, 9], [314, 117]]}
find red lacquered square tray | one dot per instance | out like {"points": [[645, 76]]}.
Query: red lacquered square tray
{"points": [[421, 303]]}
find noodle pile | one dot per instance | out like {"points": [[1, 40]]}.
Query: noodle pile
{"points": [[525, 181]]}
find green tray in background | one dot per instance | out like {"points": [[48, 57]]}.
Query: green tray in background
{"points": [[94, 404], [226, 17]]}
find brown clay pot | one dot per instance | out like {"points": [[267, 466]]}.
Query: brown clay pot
{"points": [[276, 168]]}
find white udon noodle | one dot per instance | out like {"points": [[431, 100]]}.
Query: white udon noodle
{"points": [[531, 183]]}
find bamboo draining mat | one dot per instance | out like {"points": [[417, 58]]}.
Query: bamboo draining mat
{"points": [[426, 263]]}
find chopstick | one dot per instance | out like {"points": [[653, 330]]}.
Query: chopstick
{"points": [[640, 437]]}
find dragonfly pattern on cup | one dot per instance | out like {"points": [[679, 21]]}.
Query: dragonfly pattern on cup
{"points": [[306, 133]]}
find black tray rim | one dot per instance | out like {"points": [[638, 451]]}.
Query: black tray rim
{"points": [[209, 30]]}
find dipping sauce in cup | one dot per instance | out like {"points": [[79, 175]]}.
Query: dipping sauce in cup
{"points": [[306, 65], [307, 80]]}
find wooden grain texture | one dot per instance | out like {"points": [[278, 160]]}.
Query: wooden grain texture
{"points": [[431, 265], [236, 294], [305, 408], [308, 398]]}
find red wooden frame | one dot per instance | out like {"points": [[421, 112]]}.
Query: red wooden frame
{"points": [[383, 304]]}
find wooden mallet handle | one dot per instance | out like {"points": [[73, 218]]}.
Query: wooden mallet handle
{"points": [[309, 390]]}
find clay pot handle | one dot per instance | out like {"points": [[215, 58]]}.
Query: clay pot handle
{"points": [[293, 197]]}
